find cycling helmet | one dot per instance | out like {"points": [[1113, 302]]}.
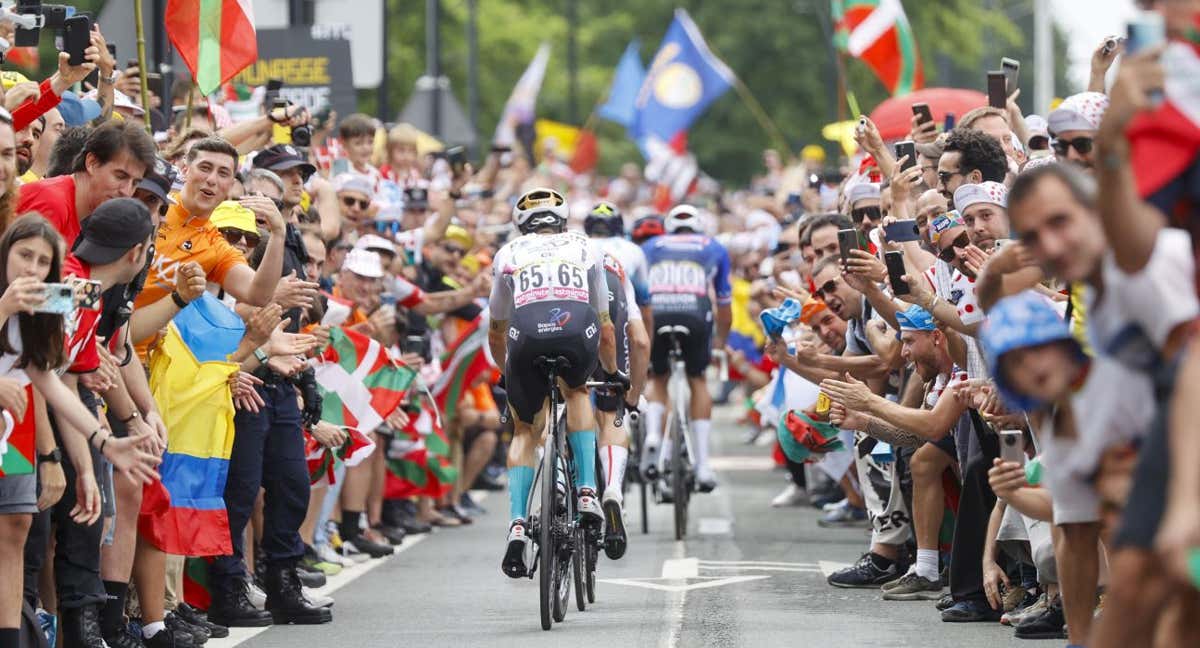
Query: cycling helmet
{"points": [[538, 208], [646, 228], [604, 220], [683, 218]]}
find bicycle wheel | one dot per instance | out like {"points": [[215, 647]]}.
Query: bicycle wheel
{"points": [[679, 481], [563, 545], [637, 433], [578, 565], [547, 553], [591, 553]]}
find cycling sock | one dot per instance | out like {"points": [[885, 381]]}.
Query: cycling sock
{"points": [[664, 456], [612, 460], [583, 446], [927, 564], [520, 482], [701, 429], [654, 423]]}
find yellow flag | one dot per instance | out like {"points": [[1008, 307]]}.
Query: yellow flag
{"points": [[563, 138]]}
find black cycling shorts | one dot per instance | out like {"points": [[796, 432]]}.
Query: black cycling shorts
{"points": [[697, 345], [550, 329], [618, 310]]}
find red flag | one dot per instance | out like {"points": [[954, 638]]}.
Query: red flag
{"points": [[586, 152], [215, 38]]}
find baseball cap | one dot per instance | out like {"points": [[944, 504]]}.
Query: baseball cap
{"points": [[282, 157], [122, 100], [363, 263], [460, 235], [113, 229], [863, 191], [989, 192], [812, 307], [915, 319], [159, 179], [1018, 322], [76, 111], [354, 182], [374, 243], [231, 213], [1079, 112], [940, 224], [1037, 126]]}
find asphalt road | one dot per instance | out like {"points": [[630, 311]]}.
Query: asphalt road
{"points": [[747, 575]]}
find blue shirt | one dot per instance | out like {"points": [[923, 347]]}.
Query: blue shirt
{"points": [[684, 268]]}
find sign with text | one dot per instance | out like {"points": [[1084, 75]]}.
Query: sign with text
{"points": [[313, 63]]}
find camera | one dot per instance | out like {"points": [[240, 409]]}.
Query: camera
{"points": [[302, 136], [49, 16]]}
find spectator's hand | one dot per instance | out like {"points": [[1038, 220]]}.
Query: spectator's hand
{"points": [[776, 350], [846, 419], [289, 344], [923, 133], [321, 333], [154, 420], [1006, 477], [105, 62], [138, 427], [993, 579], [329, 435], [245, 397], [265, 207], [781, 293], [413, 361], [903, 180], [1010, 258], [97, 381], [12, 398], [69, 75], [127, 457], [190, 281], [1014, 110], [383, 319], [398, 419], [87, 507], [291, 292], [851, 393], [867, 266], [262, 323], [1178, 535], [1139, 77], [918, 291], [53, 484], [806, 354], [20, 93], [482, 284], [976, 258], [867, 136], [23, 295], [286, 365]]}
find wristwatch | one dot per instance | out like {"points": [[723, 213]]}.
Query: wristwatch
{"points": [[54, 456], [261, 356], [178, 299], [112, 78]]}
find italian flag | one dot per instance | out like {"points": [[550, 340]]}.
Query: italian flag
{"points": [[215, 38], [418, 459], [360, 383], [464, 362], [878, 33]]}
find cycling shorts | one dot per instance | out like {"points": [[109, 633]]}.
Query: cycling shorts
{"points": [[697, 345], [549, 329]]}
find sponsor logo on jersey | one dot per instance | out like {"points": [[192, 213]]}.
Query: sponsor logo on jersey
{"points": [[555, 321], [591, 331], [513, 333]]}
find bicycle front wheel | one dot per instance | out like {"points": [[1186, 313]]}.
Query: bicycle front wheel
{"points": [[547, 553]]}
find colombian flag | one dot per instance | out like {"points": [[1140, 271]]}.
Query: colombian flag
{"points": [[184, 513]]}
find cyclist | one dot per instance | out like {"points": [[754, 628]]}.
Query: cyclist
{"points": [[687, 269], [549, 298], [625, 271]]}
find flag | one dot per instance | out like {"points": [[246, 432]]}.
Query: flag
{"points": [[360, 383], [418, 458], [878, 33], [565, 138], [620, 107], [18, 440], [184, 512], [196, 592], [671, 168], [215, 38], [586, 152], [683, 79], [520, 108], [23, 57], [322, 460], [464, 362]]}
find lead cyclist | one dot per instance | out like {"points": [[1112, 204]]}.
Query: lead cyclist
{"points": [[549, 298]]}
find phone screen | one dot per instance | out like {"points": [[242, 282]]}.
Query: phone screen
{"points": [[895, 268], [997, 86]]}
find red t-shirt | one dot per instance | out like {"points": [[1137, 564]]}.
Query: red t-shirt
{"points": [[81, 331], [54, 199]]}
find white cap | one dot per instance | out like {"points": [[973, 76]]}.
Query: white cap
{"points": [[354, 182], [363, 263], [1036, 125], [120, 100], [1079, 112], [375, 242], [863, 191], [989, 192]]}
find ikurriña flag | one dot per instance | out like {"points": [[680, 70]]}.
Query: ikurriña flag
{"points": [[877, 32]]}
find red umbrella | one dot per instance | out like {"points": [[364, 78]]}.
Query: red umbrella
{"points": [[893, 117]]}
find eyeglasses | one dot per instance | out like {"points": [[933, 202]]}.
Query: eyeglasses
{"points": [[944, 176], [455, 250], [825, 289], [350, 202], [1081, 144], [870, 213], [233, 235], [948, 253]]}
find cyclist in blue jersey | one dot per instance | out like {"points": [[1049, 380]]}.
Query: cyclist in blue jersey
{"points": [[688, 273]]}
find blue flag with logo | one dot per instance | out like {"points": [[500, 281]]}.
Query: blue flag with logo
{"points": [[684, 78], [627, 82]]}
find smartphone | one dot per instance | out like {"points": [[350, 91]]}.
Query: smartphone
{"points": [[1146, 30], [57, 298], [902, 231], [457, 157], [999, 243], [997, 87], [1012, 69], [949, 125], [415, 344], [907, 148], [848, 240], [1012, 446], [339, 166], [895, 267], [1112, 43], [87, 293], [77, 35], [496, 148], [921, 110]]}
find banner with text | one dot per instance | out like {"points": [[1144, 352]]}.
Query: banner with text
{"points": [[313, 63]]}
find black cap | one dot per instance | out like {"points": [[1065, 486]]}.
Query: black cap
{"points": [[282, 157], [416, 198], [159, 179], [113, 229]]}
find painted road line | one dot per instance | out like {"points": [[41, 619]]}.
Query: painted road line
{"points": [[715, 526]]}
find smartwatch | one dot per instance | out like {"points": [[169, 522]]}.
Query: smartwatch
{"points": [[54, 456]]}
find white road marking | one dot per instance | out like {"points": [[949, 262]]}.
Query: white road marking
{"points": [[703, 582], [681, 568], [763, 563], [742, 462], [715, 526]]}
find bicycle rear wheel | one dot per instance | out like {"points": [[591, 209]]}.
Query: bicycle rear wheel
{"points": [[564, 542], [679, 480], [547, 552], [591, 553], [578, 565]]}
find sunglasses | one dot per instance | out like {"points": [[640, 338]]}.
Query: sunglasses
{"points": [[871, 213], [948, 254], [825, 289], [233, 235], [350, 202], [1081, 144], [944, 176], [1039, 143], [455, 250]]}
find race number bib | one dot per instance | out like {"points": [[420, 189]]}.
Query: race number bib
{"points": [[551, 280]]}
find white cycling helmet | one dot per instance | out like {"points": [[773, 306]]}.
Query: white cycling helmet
{"points": [[539, 208], [683, 217]]}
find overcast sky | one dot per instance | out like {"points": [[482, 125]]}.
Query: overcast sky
{"points": [[1085, 23]]}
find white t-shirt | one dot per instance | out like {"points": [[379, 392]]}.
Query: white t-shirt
{"points": [[548, 267], [1131, 319]]}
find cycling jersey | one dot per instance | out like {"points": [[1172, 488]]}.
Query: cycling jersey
{"points": [[633, 260], [686, 271]]}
